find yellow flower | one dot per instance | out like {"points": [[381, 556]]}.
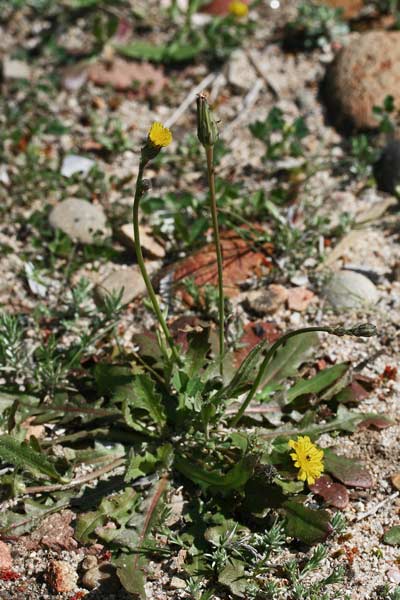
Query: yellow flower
{"points": [[159, 135], [308, 458], [238, 9]]}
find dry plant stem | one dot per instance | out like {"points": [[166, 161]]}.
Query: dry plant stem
{"points": [[269, 355], [39, 489], [214, 215], [140, 260]]}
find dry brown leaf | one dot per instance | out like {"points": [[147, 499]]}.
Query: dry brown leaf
{"points": [[253, 334], [334, 494], [241, 260], [351, 8], [140, 77]]}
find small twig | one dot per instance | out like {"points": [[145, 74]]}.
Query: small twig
{"points": [[253, 410], [189, 99], [375, 508], [263, 76], [39, 489], [248, 103]]}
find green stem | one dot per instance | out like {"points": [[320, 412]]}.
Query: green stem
{"points": [[139, 256], [269, 355], [214, 215]]}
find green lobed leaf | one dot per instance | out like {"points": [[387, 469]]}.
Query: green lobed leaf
{"points": [[24, 457], [142, 50], [233, 576], [289, 357], [195, 357], [130, 571], [143, 395], [392, 536], [303, 523], [244, 374], [318, 383], [118, 507], [234, 479]]}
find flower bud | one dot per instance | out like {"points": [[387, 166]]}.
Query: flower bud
{"points": [[364, 330], [361, 330], [207, 130]]}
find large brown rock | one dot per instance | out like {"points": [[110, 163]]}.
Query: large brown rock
{"points": [[362, 75]]}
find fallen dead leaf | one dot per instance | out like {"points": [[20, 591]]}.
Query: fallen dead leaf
{"points": [[334, 494], [140, 77], [351, 8], [241, 260], [36, 430], [253, 334]]}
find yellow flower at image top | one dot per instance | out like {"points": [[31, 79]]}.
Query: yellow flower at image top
{"points": [[308, 458], [159, 135], [238, 9]]}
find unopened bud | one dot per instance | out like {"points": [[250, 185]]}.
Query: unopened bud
{"points": [[361, 330], [207, 130], [364, 330]]}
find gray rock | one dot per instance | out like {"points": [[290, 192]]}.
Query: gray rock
{"points": [[241, 72], [80, 220], [348, 289], [128, 279]]}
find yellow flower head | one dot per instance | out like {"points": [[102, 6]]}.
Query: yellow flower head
{"points": [[308, 458], [238, 8], [159, 135]]}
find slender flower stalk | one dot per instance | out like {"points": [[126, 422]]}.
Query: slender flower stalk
{"points": [[361, 330], [207, 132], [159, 137]]}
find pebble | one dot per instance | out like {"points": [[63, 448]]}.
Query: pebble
{"points": [[96, 574], [15, 69], [128, 279], [61, 576], [241, 72], [349, 289], [387, 168], [396, 480], [393, 575], [150, 246], [363, 74], [82, 221], [5, 556], [299, 298], [73, 163], [265, 302], [177, 584]]}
